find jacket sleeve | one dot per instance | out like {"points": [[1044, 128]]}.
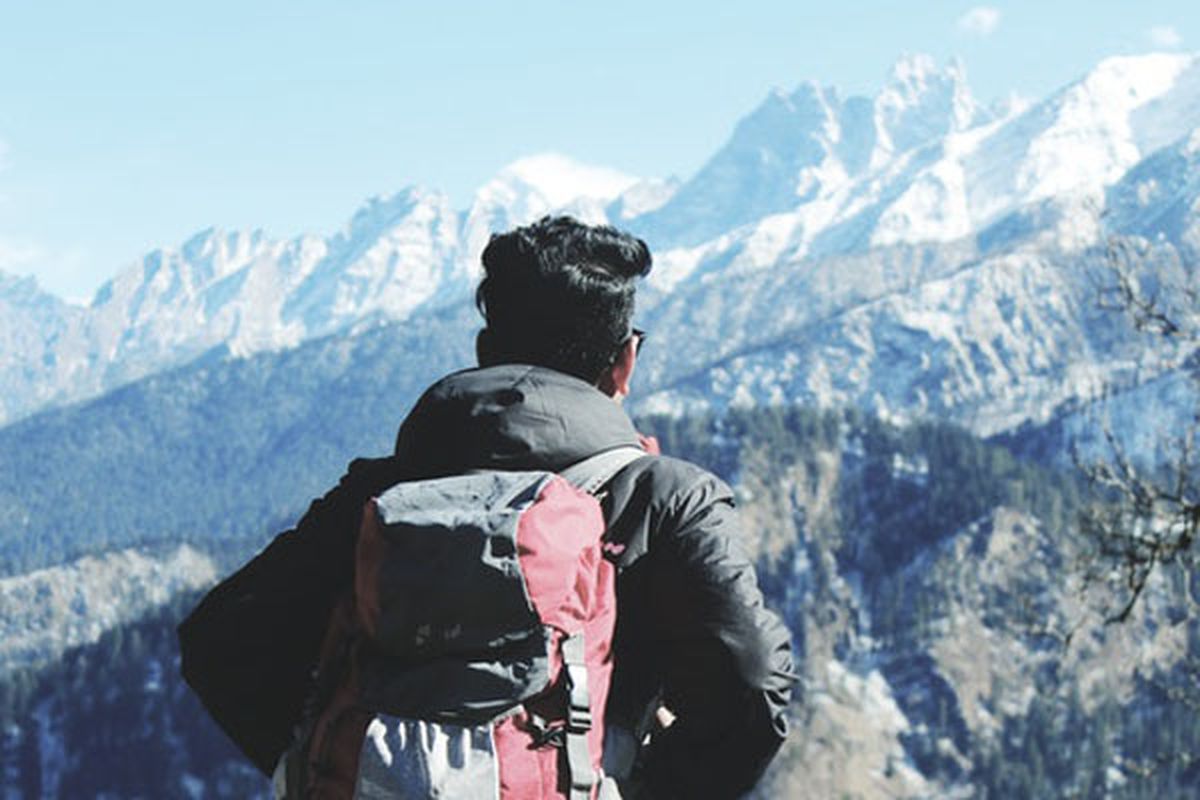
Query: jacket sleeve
{"points": [[249, 647], [726, 660]]}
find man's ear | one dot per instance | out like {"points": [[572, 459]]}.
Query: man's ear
{"points": [[615, 380]]}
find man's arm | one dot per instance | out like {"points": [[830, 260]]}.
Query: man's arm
{"points": [[249, 648], [725, 659]]}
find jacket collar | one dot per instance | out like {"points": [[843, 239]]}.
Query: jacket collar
{"points": [[511, 416]]}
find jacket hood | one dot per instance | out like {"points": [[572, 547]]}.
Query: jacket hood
{"points": [[511, 416]]}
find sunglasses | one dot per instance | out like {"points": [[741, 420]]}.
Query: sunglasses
{"points": [[640, 336]]}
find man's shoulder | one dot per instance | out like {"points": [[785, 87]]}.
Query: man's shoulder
{"points": [[662, 498], [676, 479]]}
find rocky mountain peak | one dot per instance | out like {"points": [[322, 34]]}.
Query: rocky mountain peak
{"points": [[920, 103], [381, 212]]}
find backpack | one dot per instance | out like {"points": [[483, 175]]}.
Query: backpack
{"points": [[472, 657]]}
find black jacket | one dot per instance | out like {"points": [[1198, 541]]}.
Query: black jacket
{"points": [[691, 626], [692, 632]]}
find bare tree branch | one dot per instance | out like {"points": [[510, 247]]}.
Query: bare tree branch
{"points": [[1144, 519]]}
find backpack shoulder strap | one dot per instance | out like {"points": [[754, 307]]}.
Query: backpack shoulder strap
{"points": [[589, 475], [593, 472]]}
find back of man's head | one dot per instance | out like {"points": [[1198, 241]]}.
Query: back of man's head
{"points": [[559, 294]]}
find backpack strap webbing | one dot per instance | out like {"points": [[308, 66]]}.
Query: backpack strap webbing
{"points": [[579, 717], [592, 473], [588, 475]]}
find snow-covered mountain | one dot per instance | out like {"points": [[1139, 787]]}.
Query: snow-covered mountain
{"points": [[991, 341], [1160, 197], [1042, 167], [1006, 196], [242, 292], [798, 147]]}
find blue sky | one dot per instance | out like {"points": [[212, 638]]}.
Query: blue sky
{"points": [[130, 125]]}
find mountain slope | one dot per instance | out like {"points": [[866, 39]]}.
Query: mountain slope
{"points": [[46, 612], [228, 449], [992, 342], [918, 568], [1000, 344]]}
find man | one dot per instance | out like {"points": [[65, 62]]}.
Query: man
{"points": [[702, 671], [557, 356]]}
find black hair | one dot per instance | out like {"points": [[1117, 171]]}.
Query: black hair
{"points": [[559, 294]]}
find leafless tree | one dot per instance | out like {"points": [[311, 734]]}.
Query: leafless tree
{"points": [[1147, 517], [1145, 520]]}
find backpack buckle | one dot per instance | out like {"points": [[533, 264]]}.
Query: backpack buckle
{"points": [[579, 705], [545, 734]]}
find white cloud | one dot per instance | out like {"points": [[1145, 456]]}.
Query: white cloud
{"points": [[980, 21], [1164, 36]]}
